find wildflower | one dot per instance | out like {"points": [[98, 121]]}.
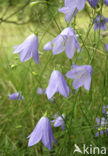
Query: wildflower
{"points": [[16, 96], [66, 41], [100, 22], [48, 46], [43, 132], [58, 121], [58, 84], [28, 49], [101, 126], [106, 2], [71, 8], [93, 3], [81, 76], [42, 91], [106, 47]]}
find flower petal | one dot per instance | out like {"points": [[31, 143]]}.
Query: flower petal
{"points": [[81, 81], [47, 136], [52, 87], [36, 135], [48, 46], [63, 88], [70, 47], [58, 45], [87, 83], [80, 4]]}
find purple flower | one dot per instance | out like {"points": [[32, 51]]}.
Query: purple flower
{"points": [[106, 2], [48, 46], [58, 121], [16, 96], [100, 22], [71, 8], [28, 49], [42, 91], [66, 41], [101, 126], [58, 84], [93, 3], [81, 76], [43, 132], [106, 47]]}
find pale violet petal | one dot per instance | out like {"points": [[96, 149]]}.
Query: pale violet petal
{"points": [[87, 83], [58, 45], [52, 87], [80, 4], [63, 88], [70, 47], [77, 83], [48, 46]]}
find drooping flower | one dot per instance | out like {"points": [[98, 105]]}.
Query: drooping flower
{"points": [[100, 22], [93, 3], [59, 122], [16, 96], [106, 2], [101, 126], [66, 41], [48, 46], [28, 49], [42, 132], [106, 47], [81, 76], [42, 91], [71, 8], [58, 84]]}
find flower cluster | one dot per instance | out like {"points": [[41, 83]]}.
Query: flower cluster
{"points": [[81, 75], [102, 123]]}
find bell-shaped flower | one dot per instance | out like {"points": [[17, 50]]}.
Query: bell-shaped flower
{"points": [[105, 2], [93, 3], [81, 76], [71, 8], [42, 132], [66, 41], [59, 121], [28, 49], [48, 46], [106, 47], [57, 83], [16, 96], [100, 22]]}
